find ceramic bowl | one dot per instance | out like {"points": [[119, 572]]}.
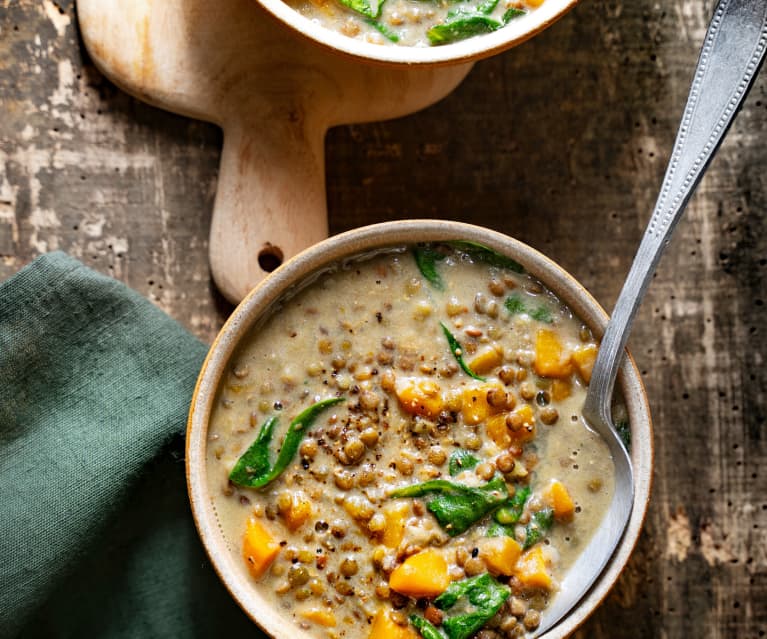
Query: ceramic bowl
{"points": [[467, 50], [231, 568]]}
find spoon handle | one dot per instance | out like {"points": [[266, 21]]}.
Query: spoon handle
{"points": [[732, 53]]}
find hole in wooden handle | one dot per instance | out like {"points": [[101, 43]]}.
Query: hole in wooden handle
{"points": [[270, 257]]}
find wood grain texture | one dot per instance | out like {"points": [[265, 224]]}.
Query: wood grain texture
{"points": [[560, 143]]}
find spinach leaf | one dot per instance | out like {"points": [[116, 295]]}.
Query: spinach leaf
{"points": [[511, 14], [539, 525], [457, 507], [511, 511], [624, 432], [365, 7], [481, 253], [487, 6], [461, 460], [457, 350], [426, 258], [461, 28], [516, 306], [542, 314], [427, 630], [499, 530], [252, 469], [484, 593], [385, 31]]}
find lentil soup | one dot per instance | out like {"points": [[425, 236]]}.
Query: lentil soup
{"points": [[416, 23], [435, 476]]}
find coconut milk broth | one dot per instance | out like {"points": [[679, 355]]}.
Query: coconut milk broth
{"points": [[347, 335]]}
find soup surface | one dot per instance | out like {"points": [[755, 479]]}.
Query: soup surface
{"points": [[414, 22], [398, 449]]}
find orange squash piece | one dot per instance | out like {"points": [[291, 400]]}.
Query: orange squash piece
{"points": [[532, 570], [496, 429], [561, 389], [259, 548], [584, 359], [422, 575], [394, 530], [523, 420], [299, 511], [486, 361], [474, 406], [551, 358], [319, 616], [500, 555], [383, 627], [557, 496], [419, 396]]}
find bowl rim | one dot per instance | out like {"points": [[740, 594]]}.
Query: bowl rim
{"points": [[359, 241], [470, 49]]}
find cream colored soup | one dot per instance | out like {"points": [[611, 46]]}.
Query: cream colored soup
{"points": [[416, 23], [327, 541]]}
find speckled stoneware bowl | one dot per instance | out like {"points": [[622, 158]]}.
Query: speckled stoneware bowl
{"points": [[259, 302], [467, 50]]}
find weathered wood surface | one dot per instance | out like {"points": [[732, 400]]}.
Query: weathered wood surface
{"points": [[560, 143]]}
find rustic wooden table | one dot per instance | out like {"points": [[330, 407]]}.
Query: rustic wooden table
{"points": [[560, 143]]}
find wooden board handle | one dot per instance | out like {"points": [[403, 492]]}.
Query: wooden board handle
{"points": [[270, 202]]}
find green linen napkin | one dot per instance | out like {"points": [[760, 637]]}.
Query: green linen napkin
{"points": [[96, 536]]}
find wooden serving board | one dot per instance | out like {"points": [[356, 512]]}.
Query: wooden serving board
{"points": [[274, 94]]}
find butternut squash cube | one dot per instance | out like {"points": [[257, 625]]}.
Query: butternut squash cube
{"points": [[319, 616], [522, 420], [300, 510], [422, 575], [496, 429], [551, 358], [532, 569], [557, 496], [561, 389], [394, 530], [384, 627], [486, 361], [419, 396], [500, 555], [259, 548], [584, 359], [474, 406]]}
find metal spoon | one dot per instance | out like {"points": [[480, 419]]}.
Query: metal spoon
{"points": [[732, 53]]}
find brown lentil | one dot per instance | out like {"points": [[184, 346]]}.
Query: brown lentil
{"points": [[404, 466], [309, 449], [433, 615], [437, 455], [496, 287], [354, 449], [548, 415], [527, 391], [532, 619], [505, 463], [298, 576], [348, 567], [343, 479], [485, 471], [474, 566]]}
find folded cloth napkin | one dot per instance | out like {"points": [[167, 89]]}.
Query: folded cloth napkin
{"points": [[96, 536]]}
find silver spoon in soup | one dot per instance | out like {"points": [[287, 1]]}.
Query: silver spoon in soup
{"points": [[732, 53]]}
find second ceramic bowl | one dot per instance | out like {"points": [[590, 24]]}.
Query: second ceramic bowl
{"points": [[474, 48]]}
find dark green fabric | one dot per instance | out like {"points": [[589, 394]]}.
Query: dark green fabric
{"points": [[96, 537]]}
